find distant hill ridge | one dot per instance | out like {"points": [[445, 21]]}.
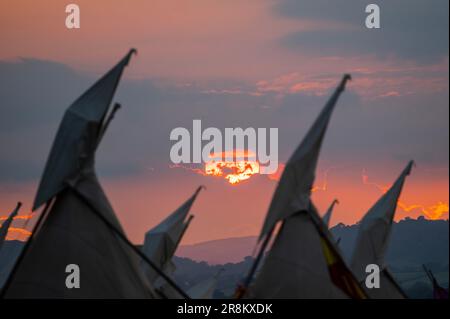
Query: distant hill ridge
{"points": [[412, 241]]}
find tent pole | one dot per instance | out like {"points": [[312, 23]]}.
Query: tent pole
{"points": [[13, 214], [108, 120], [27, 246], [190, 218], [126, 241], [240, 293]]}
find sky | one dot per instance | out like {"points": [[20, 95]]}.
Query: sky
{"points": [[255, 63]]}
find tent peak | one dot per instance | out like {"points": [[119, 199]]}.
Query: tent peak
{"points": [[410, 165], [346, 77], [78, 135], [294, 187], [19, 204], [199, 189], [131, 52]]}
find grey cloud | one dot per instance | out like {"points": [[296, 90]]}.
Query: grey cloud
{"points": [[138, 139], [414, 30]]}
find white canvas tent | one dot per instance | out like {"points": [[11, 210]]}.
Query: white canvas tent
{"points": [[161, 242], [296, 266], [294, 188], [71, 232], [373, 239]]}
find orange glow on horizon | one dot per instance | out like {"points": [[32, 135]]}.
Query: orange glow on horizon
{"points": [[432, 212]]}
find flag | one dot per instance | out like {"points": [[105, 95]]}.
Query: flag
{"points": [[340, 275]]}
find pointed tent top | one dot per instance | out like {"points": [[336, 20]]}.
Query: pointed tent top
{"points": [[199, 189], [375, 228], [294, 187], [345, 78], [327, 217], [384, 208], [132, 51], [15, 211], [94, 103], [317, 130], [161, 242], [408, 167], [78, 134], [176, 217], [7, 223]]}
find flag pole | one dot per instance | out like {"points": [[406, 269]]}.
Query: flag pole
{"points": [[19, 260], [127, 242]]}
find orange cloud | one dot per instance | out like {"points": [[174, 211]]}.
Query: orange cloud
{"points": [[375, 82]]}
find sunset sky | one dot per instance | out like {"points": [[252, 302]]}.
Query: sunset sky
{"points": [[255, 63]]}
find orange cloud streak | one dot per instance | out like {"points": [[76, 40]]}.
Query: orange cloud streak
{"points": [[18, 217], [21, 231]]}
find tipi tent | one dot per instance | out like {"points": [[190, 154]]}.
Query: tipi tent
{"points": [[70, 232], [373, 238]]}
